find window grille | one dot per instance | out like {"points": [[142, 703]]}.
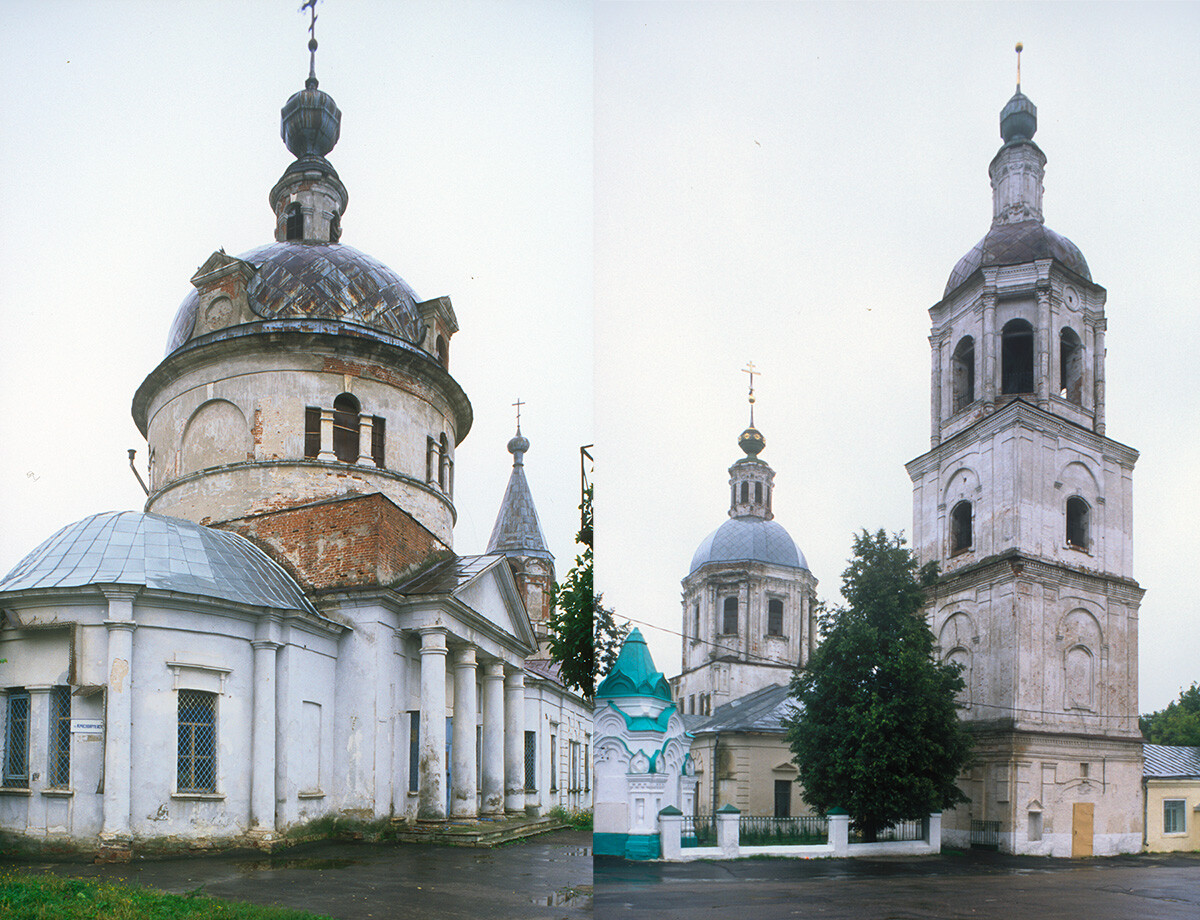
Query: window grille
{"points": [[59, 767], [16, 741], [531, 761], [197, 768], [414, 750]]}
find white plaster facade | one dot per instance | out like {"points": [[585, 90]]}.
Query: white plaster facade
{"points": [[1026, 505]]}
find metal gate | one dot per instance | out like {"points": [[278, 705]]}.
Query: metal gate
{"points": [[985, 834]]}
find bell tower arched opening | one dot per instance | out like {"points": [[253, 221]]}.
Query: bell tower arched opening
{"points": [[1016, 358]]}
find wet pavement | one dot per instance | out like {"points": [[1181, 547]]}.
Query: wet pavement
{"points": [[947, 887], [543, 877]]}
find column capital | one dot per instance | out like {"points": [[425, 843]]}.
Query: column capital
{"points": [[433, 640], [119, 625], [120, 592], [265, 643], [514, 678], [464, 657], [493, 670]]}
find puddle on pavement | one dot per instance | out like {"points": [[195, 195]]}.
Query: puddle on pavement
{"points": [[314, 863], [578, 896]]}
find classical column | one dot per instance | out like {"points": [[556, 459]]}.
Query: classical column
{"points": [[118, 724], [326, 452], [431, 796], [514, 741], [989, 348], [493, 738], [937, 348], [1044, 385], [262, 737], [463, 781]]}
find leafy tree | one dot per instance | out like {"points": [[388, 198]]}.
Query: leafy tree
{"points": [[1179, 723], [583, 632], [877, 732]]}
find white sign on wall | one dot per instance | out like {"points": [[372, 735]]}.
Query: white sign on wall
{"points": [[87, 726]]}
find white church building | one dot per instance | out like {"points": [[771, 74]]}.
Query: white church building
{"points": [[286, 632]]}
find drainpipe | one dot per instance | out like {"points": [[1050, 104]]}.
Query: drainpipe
{"points": [[715, 759], [141, 482]]}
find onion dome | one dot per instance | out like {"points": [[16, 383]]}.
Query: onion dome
{"points": [[752, 442], [160, 553]]}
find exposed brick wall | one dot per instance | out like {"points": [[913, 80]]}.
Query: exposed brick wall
{"points": [[352, 541]]}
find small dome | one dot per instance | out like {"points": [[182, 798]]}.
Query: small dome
{"points": [[749, 539], [318, 281], [163, 553], [752, 441], [1013, 244]]}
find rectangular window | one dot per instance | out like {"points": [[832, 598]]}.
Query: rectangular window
{"points": [[553, 765], [312, 432], [774, 617], [531, 761], [1174, 816], [197, 765], [414, 749], [783, 798], [729, 626], [575, 778], [16, 741], [58, 770], [377, 438]]}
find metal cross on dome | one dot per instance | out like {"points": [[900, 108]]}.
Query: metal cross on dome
{"points": [[519, 404], [311, 6], [751, 370]]}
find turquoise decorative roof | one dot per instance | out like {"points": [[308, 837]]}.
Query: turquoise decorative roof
{"points": [[634, 673]]}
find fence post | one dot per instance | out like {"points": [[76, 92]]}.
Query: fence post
{"points": [[670, 828], [839, 831], [933, 832], [728, 818]]}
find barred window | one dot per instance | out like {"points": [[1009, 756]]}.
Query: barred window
{"points": [[16, 740], [531, 761], [59, 768], [414, 749], [197, 768], [553, 765]]}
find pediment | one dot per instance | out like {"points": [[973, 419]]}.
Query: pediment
{"points": [[493, 595]]}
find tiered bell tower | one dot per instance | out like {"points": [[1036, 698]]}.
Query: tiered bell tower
{"points": [[1026, 505]]}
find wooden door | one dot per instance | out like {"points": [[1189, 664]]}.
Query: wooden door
{"points": [[1081, 829]]}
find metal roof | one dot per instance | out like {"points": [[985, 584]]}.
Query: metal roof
{"points": [[297, 280], [154, 551], [761, 711], [1014, 244], [448, 576], [518, 530], [1163, 761], [633, 673], [749, 539]]}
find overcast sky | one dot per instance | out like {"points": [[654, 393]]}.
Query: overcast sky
{"points": [[713, 183], [141, 137], [792, 184]]}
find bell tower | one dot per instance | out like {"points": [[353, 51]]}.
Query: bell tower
{"points": [[1026, 505]]}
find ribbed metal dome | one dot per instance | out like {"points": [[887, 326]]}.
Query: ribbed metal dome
{"points": [[749, 539], [296, 280], [155, 551], [1013, 244]]}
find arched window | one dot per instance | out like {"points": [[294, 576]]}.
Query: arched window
{"points": [[745, 492], [1070, 363], [1078, 523], [758, 493], [443, 352], [962, 373], [774, 617], [1016, 357], [961, 538], [345, 428], [335, 229], [730, 625], [294, 218], [445, 465]]}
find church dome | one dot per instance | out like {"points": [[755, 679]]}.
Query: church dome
{"points": [[326, 281], [749, 539], [158, 552], [1013, 244]]}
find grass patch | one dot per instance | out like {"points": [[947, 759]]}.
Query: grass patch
{"points": [[50, 897], [579, 819]]}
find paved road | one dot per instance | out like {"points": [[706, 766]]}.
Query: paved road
{"points": [[546, 877], [944, 887]]}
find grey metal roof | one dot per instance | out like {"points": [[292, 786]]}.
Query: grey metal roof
{"points": [[1014, 244], [1163, 761], [448, 576], [761, 711], [749, 539], [153, 551], [517, 530], [297, 280]]}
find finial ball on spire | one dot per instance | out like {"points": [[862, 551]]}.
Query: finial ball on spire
{"points": [[1020, 47]]}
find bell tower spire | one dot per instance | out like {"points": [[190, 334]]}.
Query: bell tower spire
{"points": [[751, 480]]}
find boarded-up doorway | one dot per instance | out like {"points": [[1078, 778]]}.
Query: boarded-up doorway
{"points": [[1081, 829]]}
